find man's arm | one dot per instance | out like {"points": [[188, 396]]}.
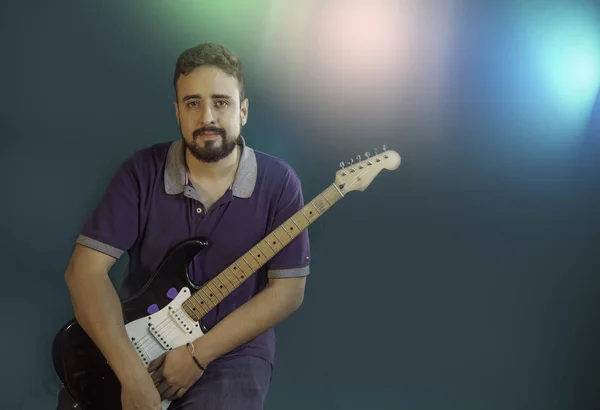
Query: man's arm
{"points": [[276, 302], [98, 310]]}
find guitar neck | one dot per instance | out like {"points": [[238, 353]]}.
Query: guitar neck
{"points": [[215, 290]]}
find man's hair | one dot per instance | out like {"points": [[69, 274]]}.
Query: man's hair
{"points": [[208, 54]]}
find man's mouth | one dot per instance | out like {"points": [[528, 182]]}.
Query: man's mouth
{"points": [[209, 134]]}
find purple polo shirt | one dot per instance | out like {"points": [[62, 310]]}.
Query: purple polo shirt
{"points": [[150, 206]]}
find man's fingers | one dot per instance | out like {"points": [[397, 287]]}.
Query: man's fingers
{"points": [[162, 387], [167, 394], [157, 376], [178, 394], [155, 364]]}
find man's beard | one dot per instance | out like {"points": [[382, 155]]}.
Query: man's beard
{"points": [[210, 152]]}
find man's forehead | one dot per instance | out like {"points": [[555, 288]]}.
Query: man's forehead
{"points": [[207, 81]]}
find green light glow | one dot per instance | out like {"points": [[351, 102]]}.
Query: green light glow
{"points": [[565, 42], [233, 23]]}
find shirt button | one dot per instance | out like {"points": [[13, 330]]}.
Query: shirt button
{"points": [[199, 210]]}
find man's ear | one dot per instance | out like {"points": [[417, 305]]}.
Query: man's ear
{"points": [[176, 105], [244, 112]]}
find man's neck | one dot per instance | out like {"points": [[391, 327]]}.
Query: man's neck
{"points": [[225, 168]]}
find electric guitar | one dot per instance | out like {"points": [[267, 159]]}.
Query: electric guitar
{"points": [[179, 305]]}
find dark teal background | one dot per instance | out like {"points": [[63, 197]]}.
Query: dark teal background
{"points": [[467, 279]]}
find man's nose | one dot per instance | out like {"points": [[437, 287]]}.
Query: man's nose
{"points": [[206, 113]]}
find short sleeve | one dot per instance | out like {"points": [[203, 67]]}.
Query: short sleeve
{"points": [[294, 259], [112, 227]]}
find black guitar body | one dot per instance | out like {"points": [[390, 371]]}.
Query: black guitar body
{"points": [[78, 362]]}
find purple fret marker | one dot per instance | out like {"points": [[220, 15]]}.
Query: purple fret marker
{"points": [[172, 293], [153, 309]]}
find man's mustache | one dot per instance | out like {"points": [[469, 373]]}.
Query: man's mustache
{"points": [[217, 130]]}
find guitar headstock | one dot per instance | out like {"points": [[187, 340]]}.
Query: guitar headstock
{"points": [[357, 176]]}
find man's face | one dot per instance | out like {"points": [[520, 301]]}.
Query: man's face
{"points": [[209, 113]]}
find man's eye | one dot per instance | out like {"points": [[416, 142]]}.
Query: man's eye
{"points": [[192, 103], [221, 103]]}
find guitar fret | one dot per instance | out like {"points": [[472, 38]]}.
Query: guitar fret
{"points": [[203, 291], [263, 251], [314, 206], [223, 286], [256, 264], [336, 187], [289, 228], [243, 271], [191, 311], [246, 262], [219, 288], [242, 277], [230, 281], [200, 304], [288, 237], [331, 196], [235, 276], [215, 290], [274, 251], [302, 210], [322, 202], [331, 193], [313, 211], [256, 257], [300, 223], [324, 197], [287, 232], [278, 238], [297, 226]]}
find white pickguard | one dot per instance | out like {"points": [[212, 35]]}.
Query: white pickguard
{"points": [[166, 329]]}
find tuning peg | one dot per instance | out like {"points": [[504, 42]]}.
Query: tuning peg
{"points": [[351, 161], [367, 154], [342, 164], [384, 147], [358, 158], [375, 151]]}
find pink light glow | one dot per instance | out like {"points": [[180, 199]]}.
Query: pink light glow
{"points": [[360, 41]]}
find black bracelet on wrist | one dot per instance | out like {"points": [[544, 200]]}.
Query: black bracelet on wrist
{"points": [[191, 349]]}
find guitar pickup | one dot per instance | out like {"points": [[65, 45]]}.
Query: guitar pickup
{"points": [[183, 320], [160, 338]]}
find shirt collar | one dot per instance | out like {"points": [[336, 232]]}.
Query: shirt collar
{"points": [[176, 176]]}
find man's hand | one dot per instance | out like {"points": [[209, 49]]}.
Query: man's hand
{"points": [[140, 394], [174, 373]]}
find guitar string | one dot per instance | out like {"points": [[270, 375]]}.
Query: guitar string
{"points": [[159, 328], [150, 341], [166, 328]]}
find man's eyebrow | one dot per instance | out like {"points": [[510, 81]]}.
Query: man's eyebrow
{"points": [[214, 96]]}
